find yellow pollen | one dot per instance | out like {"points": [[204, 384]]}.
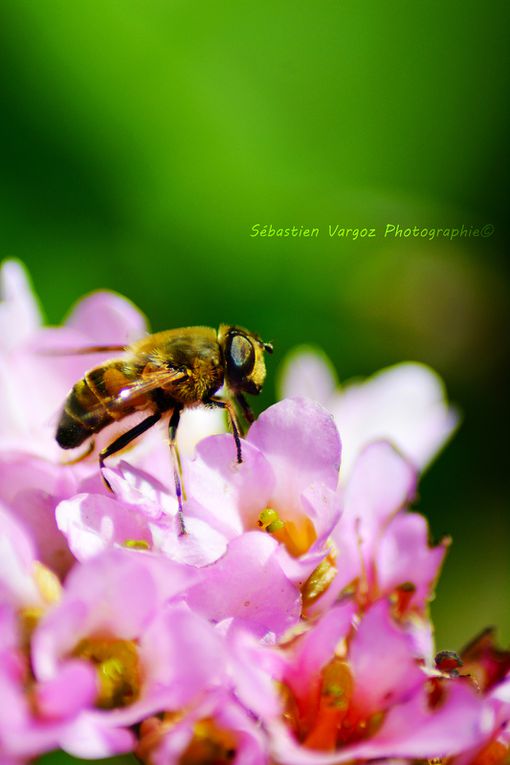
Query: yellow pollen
{"points": [[269, 517], [47, 583], [210, 745], [117, 667], [136, 544], [275, 526], [297, 535]]}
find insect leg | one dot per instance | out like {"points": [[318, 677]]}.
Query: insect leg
{"points": [[126, 439], [172, 433], [246, 408], [221, 404]]}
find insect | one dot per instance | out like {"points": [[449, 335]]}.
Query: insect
{"points": [[162, 374]]}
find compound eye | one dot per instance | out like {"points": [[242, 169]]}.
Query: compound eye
{"points": [[242, 354]]}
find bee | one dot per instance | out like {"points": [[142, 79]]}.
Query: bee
{"points": [[162, 374]]}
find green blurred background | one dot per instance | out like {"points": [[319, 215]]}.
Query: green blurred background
{"points": [[141, 139]]}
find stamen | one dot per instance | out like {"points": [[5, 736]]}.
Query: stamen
{"points": [[136, 544], [320, 578], [28, 621], [47, 583], [269, 517], [297, 535], [118, 670]]}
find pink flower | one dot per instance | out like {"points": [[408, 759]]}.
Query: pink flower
{"points": [[142, 514], [363, 693], [106, 619], [404, 404], [34, 715], [30, 489], [286, 484], [217, 729], [288, 625], [379, 548]]}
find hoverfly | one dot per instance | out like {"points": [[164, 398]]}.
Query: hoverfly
{"points": [[162, 374]]}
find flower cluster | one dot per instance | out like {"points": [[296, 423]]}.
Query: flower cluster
{"points": [[289, 625]]}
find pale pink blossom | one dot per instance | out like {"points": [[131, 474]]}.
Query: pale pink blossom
{"points": [[404, 404]]}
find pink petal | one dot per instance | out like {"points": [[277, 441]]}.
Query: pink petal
{"points": [[382, 660], [63, 697], [410, 730], [308, 373], [138, 488], [108, 318], [297, 570], [251, 746], [197, 424], [255, 667], [316, 648], [323, 506], [381, 483], [201, 545], [231, 495], [19, 312], [300, 440], [184, 654], [88, 739], [31, 488], [9, 627], [22, 736], [414, 730], [92, 523], [17, 555], [405, 556], [95, 600], [250, 743], [183, 659], [249, 584], [404, 404]]}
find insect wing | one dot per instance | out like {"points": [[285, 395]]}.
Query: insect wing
{"points": [[131, 394], [150, 381], [80, 351]]}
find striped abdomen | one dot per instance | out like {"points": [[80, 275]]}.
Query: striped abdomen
{"points": [[93, 403]]}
